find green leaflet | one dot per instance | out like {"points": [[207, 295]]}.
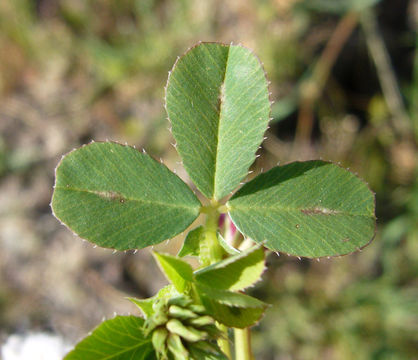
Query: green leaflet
{"points": [[145, 305], [218, 103], [118, 197], [234, 273], [116, 339], [230, 308], [191, 245], [311, 209], [177, 271]]}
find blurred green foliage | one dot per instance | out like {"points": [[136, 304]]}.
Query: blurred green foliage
{"points": [[114, 56]]}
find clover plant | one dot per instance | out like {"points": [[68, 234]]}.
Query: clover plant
{"points": [[117, 197]]}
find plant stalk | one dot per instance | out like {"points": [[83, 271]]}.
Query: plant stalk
{"points": [[210, 249], [210, 252], [224, 342], [243, 344]]}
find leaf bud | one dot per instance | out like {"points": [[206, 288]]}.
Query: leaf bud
{"points": [[159, 338], [181, 313], [186, 332], [198, 309], [202, 321], [180, 300], [176, 347]]}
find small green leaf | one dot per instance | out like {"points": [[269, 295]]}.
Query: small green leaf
{"points": [[145, 305], [120, 338], [179, 272], [311, 209], [230, 308], [118, 197], [218, 103], [234, 273], [191, 245]]}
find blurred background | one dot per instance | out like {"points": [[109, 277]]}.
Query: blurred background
{"points": [[344, 78]]}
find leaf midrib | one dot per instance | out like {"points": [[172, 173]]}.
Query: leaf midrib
{"points": [[221, 103], [151, 202], [283, 209]]}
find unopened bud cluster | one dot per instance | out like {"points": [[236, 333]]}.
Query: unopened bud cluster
{"points": [[182, 329]]}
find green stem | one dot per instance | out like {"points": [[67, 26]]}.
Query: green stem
{"points": [[210, 252], [210, 249], [224, 343], [243, 344]]}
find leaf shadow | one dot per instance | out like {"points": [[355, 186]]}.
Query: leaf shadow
{"points": [[277, 175]]}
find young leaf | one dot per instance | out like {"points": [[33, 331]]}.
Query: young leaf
{"points": [[118, 197], [145, 305], [230, 308], [191, 245], [179, 272], [218, 103], [311, 209], [234, 273], [116, 339]]}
